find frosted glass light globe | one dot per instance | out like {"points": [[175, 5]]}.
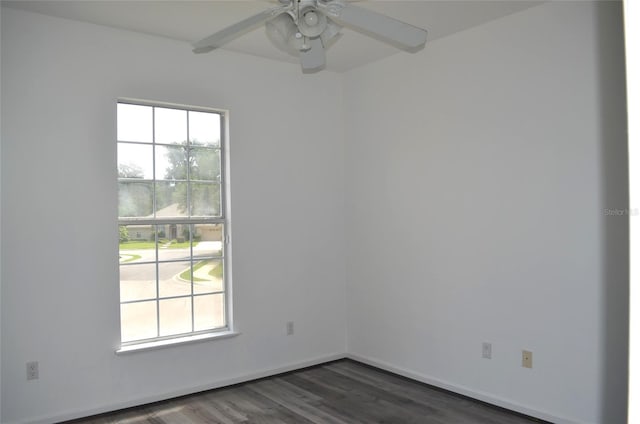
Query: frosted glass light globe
{"points": [[311, 18]]}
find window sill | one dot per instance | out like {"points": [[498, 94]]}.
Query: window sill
{"points": [[161, 344]]}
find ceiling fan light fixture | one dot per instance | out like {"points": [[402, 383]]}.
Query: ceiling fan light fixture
{"points": [[311, 18], [311, 22]]}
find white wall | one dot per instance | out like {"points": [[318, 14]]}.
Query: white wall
{"points": [[60, 81], [478, 174]]}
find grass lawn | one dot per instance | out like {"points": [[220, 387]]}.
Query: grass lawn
{"points": [[176, 245], [137, 245], [129, 258], [216, 272]]}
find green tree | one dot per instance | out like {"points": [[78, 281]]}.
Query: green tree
{"points": [[134, 196], [128, 170], [124, 234], [202, 166]]}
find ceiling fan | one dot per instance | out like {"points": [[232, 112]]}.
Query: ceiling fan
{"points": [[306, 28]]}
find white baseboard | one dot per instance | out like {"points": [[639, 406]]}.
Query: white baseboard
{"points": [[80, 413], [484, 397]]}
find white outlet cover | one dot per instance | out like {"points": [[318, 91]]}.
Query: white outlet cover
{"points": [[32, 371], [486, 350]]}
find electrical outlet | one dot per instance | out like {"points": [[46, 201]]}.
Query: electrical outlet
{"points": [[32, 370], [486, 350], [289, 328], [527, 359]]}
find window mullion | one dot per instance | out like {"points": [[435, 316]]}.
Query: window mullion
{"points": [[155, 227], [193, 323]]}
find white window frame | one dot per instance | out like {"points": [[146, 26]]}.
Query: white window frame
{"points": [[194, 336]]}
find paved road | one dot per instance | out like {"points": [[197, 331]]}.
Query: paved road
{"points": [[202, 249], [138, 282]]}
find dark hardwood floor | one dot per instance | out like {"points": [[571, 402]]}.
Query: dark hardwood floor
{"points": [[343, 391]]}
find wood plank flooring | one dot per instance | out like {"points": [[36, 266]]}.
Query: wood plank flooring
{"points": [[338, 392]]}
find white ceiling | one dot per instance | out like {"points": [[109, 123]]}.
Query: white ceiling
{"points": [[189, 21]]}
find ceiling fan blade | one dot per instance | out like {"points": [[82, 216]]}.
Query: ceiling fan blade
{"points": [[226, 35], [381, 27], [313, 60]]}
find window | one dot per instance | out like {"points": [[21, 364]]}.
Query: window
{"points": [[173, 222]]}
